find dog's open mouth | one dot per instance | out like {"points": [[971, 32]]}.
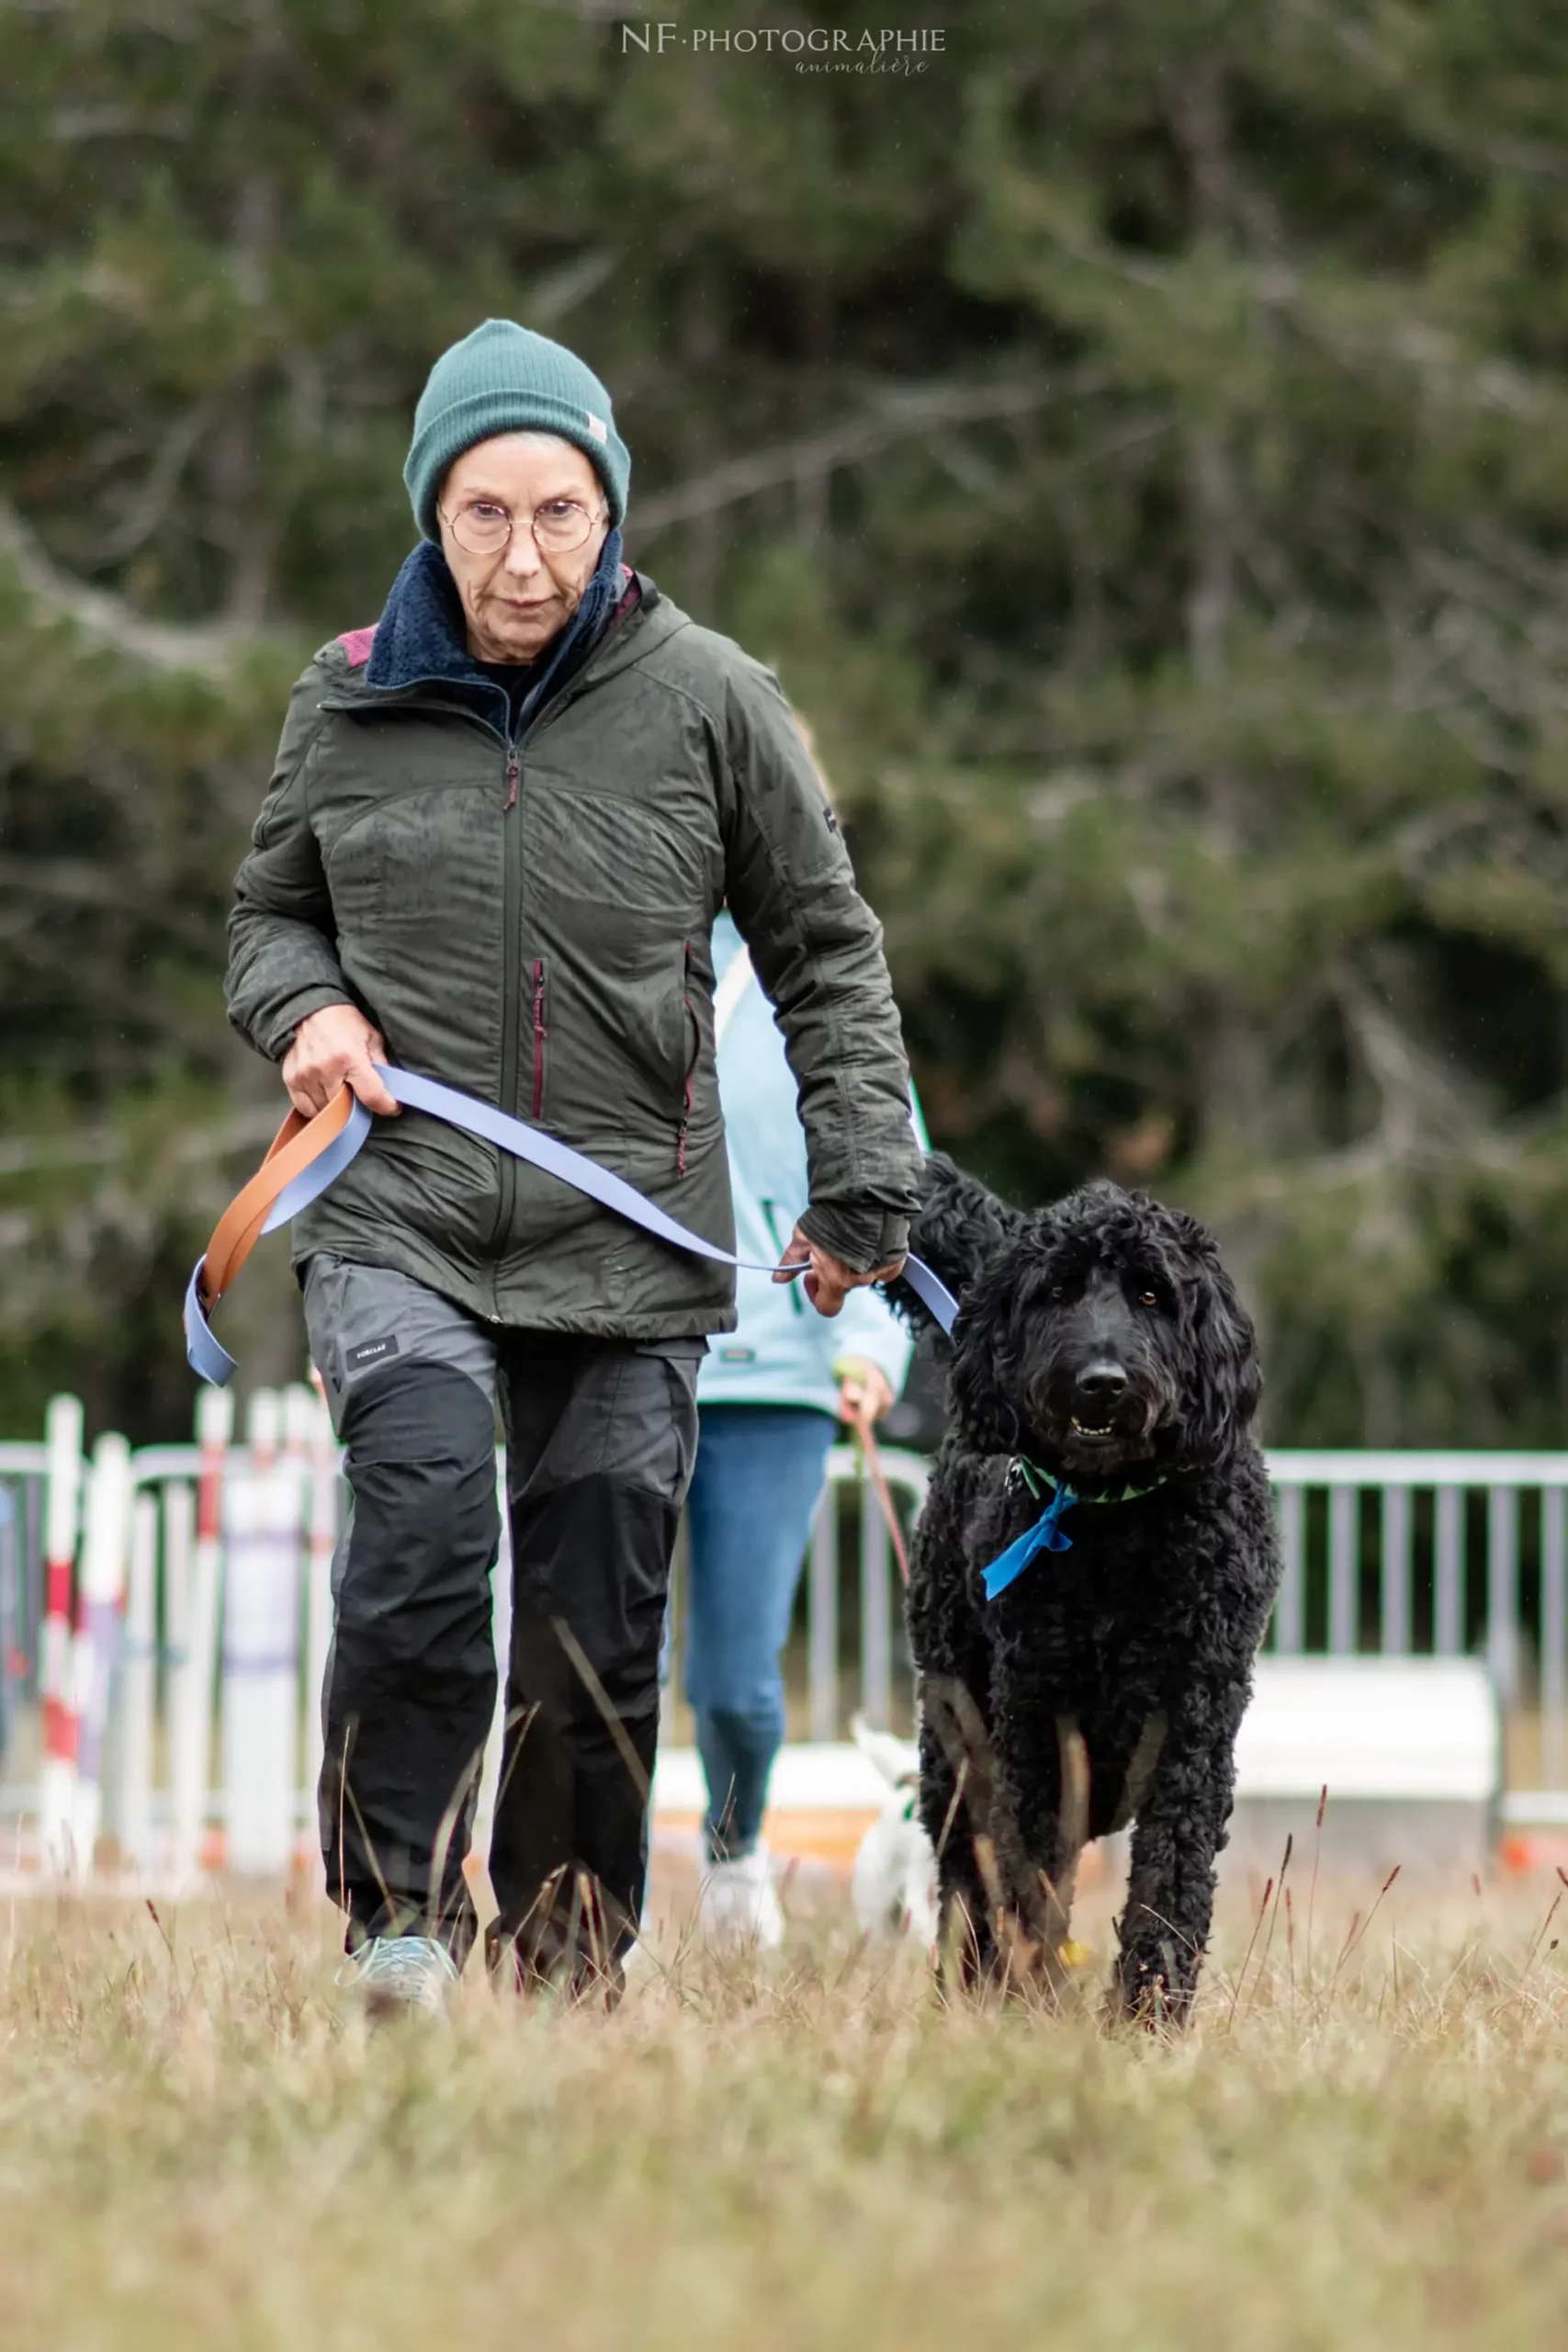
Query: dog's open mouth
{"points": [[1088, 1446], [1092, 1437]]}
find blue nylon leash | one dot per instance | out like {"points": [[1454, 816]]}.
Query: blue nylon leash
{"points": [[208, 1357]]}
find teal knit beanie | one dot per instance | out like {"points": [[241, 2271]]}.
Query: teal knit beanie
{"points": [[505, 378]]}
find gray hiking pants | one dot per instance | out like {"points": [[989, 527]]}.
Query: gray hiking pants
{"points": [[600, 1437]]}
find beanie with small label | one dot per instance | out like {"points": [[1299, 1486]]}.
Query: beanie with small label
{"points": [[506, 379]]}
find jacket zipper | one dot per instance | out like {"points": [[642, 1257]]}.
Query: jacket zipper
{"points": [[511, 895], [540, 1033], [510, 983], [691, 1064]]}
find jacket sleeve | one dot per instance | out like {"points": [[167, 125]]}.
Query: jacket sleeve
{"points": [[282, 938], [867, 1325], [817, 949]]}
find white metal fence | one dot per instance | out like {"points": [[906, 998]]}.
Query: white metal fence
{"points": [[1442, 1554], [164, 1613]]}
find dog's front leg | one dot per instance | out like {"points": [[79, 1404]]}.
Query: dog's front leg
{"points": [[1039, 1822], [957, 1781], [1179, 1829]]}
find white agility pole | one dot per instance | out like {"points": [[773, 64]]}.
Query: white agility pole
{"points": [[57, 1790], [261, 1630], [179, 1553], [321, 1545], [138, 1655], [95, 1651], [214, 1424], [263, 1428], [261, 1720], [301, 1409], [298, 1419], [501, 1619]]}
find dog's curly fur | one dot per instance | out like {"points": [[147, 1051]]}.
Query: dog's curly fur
{"points": [[1106, 1684]]}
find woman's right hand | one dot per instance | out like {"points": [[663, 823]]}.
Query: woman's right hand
{"points": [[331, 1046]]}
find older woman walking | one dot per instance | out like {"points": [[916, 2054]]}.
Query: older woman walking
{"points": [[499, 827]]}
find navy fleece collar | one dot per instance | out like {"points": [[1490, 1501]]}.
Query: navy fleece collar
{"points": [[420, 638]]}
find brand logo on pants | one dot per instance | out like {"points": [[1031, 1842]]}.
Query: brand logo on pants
{"points": [[372, 1351]]}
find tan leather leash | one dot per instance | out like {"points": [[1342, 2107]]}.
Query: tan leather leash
{"points": [[297, 1145], [865, 1437]]}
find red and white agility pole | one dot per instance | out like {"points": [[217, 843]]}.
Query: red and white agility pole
{"points": [[57, 1790]]}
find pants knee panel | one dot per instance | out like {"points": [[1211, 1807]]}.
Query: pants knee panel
{"points": [[426, 1528]]}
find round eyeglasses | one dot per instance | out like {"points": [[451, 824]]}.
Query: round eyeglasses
{"points": [[483, 526]]}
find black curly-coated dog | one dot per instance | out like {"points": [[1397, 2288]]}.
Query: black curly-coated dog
{"points": [[1104, 1381]]}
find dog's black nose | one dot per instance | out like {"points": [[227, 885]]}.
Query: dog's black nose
{"points": [[1099, 1388]]}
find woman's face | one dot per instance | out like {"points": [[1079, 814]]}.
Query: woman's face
{"points": [[517, 599]]}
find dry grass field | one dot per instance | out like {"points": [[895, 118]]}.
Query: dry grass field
{"points": [[1362, 2143]]}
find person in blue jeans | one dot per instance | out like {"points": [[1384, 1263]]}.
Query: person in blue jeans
{"points": [[769, 1398]]}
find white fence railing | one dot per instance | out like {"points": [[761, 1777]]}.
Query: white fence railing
{"points": [[164, 1613], [164, 1618], [1444, 1554]]}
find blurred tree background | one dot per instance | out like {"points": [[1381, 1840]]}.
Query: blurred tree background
{"points": [[1140, 443]]}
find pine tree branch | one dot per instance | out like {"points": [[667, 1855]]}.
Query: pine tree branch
{"points": [[906, 412], [106, 620]]}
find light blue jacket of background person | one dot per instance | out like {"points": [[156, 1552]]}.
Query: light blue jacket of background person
{"points": [[783, 1351]]}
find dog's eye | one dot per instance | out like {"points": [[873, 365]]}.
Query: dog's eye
{"points": [[1149, 1298], [1056, 1290]]}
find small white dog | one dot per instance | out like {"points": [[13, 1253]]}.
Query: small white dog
{"points": [[894, 1879]]}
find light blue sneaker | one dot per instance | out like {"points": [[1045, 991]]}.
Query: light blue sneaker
{"points": [[396, 1974]]}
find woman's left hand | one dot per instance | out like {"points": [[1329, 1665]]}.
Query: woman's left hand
{"points": [[827, 1281]]}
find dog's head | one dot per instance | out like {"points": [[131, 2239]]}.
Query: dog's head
{"points": [[1103, 1338]]}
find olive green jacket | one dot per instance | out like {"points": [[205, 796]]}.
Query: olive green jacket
{"points": [[529, 921]]}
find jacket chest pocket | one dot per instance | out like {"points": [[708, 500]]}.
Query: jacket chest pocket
{"points": [[649, 865], [415, 858]]}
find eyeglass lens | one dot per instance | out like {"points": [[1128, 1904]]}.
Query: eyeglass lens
{"points": [[559, 525]]}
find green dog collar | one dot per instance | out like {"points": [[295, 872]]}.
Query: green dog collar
{"points": [[1031, 1473]]}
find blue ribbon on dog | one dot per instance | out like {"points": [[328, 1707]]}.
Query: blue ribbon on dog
{"points": [[1045, 1535]]}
